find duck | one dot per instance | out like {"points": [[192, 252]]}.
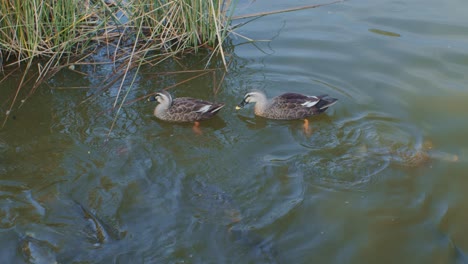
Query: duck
{"points": [[287, 106], [183, 109]]}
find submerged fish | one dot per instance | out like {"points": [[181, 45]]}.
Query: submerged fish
{"points": [[37, 251], [101, 232], [421, 155], [260, 247], [411, 157], [212, 204]]}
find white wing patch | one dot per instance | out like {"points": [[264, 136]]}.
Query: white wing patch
{"points": [[203, 109], [310, 103]]}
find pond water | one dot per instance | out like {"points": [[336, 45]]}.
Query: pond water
{"points": [[381, 178]]}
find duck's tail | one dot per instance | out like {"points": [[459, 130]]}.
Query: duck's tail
{"points": [[215, 108], [325, 103]]}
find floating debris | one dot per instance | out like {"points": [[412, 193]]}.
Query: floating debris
{"points": [[385, 33]]}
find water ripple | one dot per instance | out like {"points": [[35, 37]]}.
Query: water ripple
{"points": [[281, 195], [352, 151]]}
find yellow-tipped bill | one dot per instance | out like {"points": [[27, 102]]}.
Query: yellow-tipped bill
{"points": [[241, 105]]}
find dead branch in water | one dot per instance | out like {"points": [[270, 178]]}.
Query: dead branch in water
{"points": [[284, 10]]}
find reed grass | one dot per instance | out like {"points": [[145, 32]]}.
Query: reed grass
{"points": [[49, 35], [69, 28]]}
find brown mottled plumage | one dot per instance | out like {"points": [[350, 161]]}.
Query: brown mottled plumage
{"points": [[183, 109], [288, 105]]}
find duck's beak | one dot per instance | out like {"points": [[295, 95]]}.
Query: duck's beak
{"points": [[241, 105], [151, 99]]}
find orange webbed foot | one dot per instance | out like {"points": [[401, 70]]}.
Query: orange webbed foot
{"points": [[307, 130], [196, 128]]}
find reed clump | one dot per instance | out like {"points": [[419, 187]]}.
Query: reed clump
{"points": [[48, 35], [68, 28]]}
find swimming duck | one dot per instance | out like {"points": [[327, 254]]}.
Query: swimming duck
{"points": [[183, 109], [287, 106]]}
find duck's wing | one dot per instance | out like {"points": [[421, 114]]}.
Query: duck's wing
{"points": [[295, 100], [294, 105], [185, 105]]}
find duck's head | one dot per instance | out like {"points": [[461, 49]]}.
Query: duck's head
{"points": [[162, 98], [251, 97]]}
